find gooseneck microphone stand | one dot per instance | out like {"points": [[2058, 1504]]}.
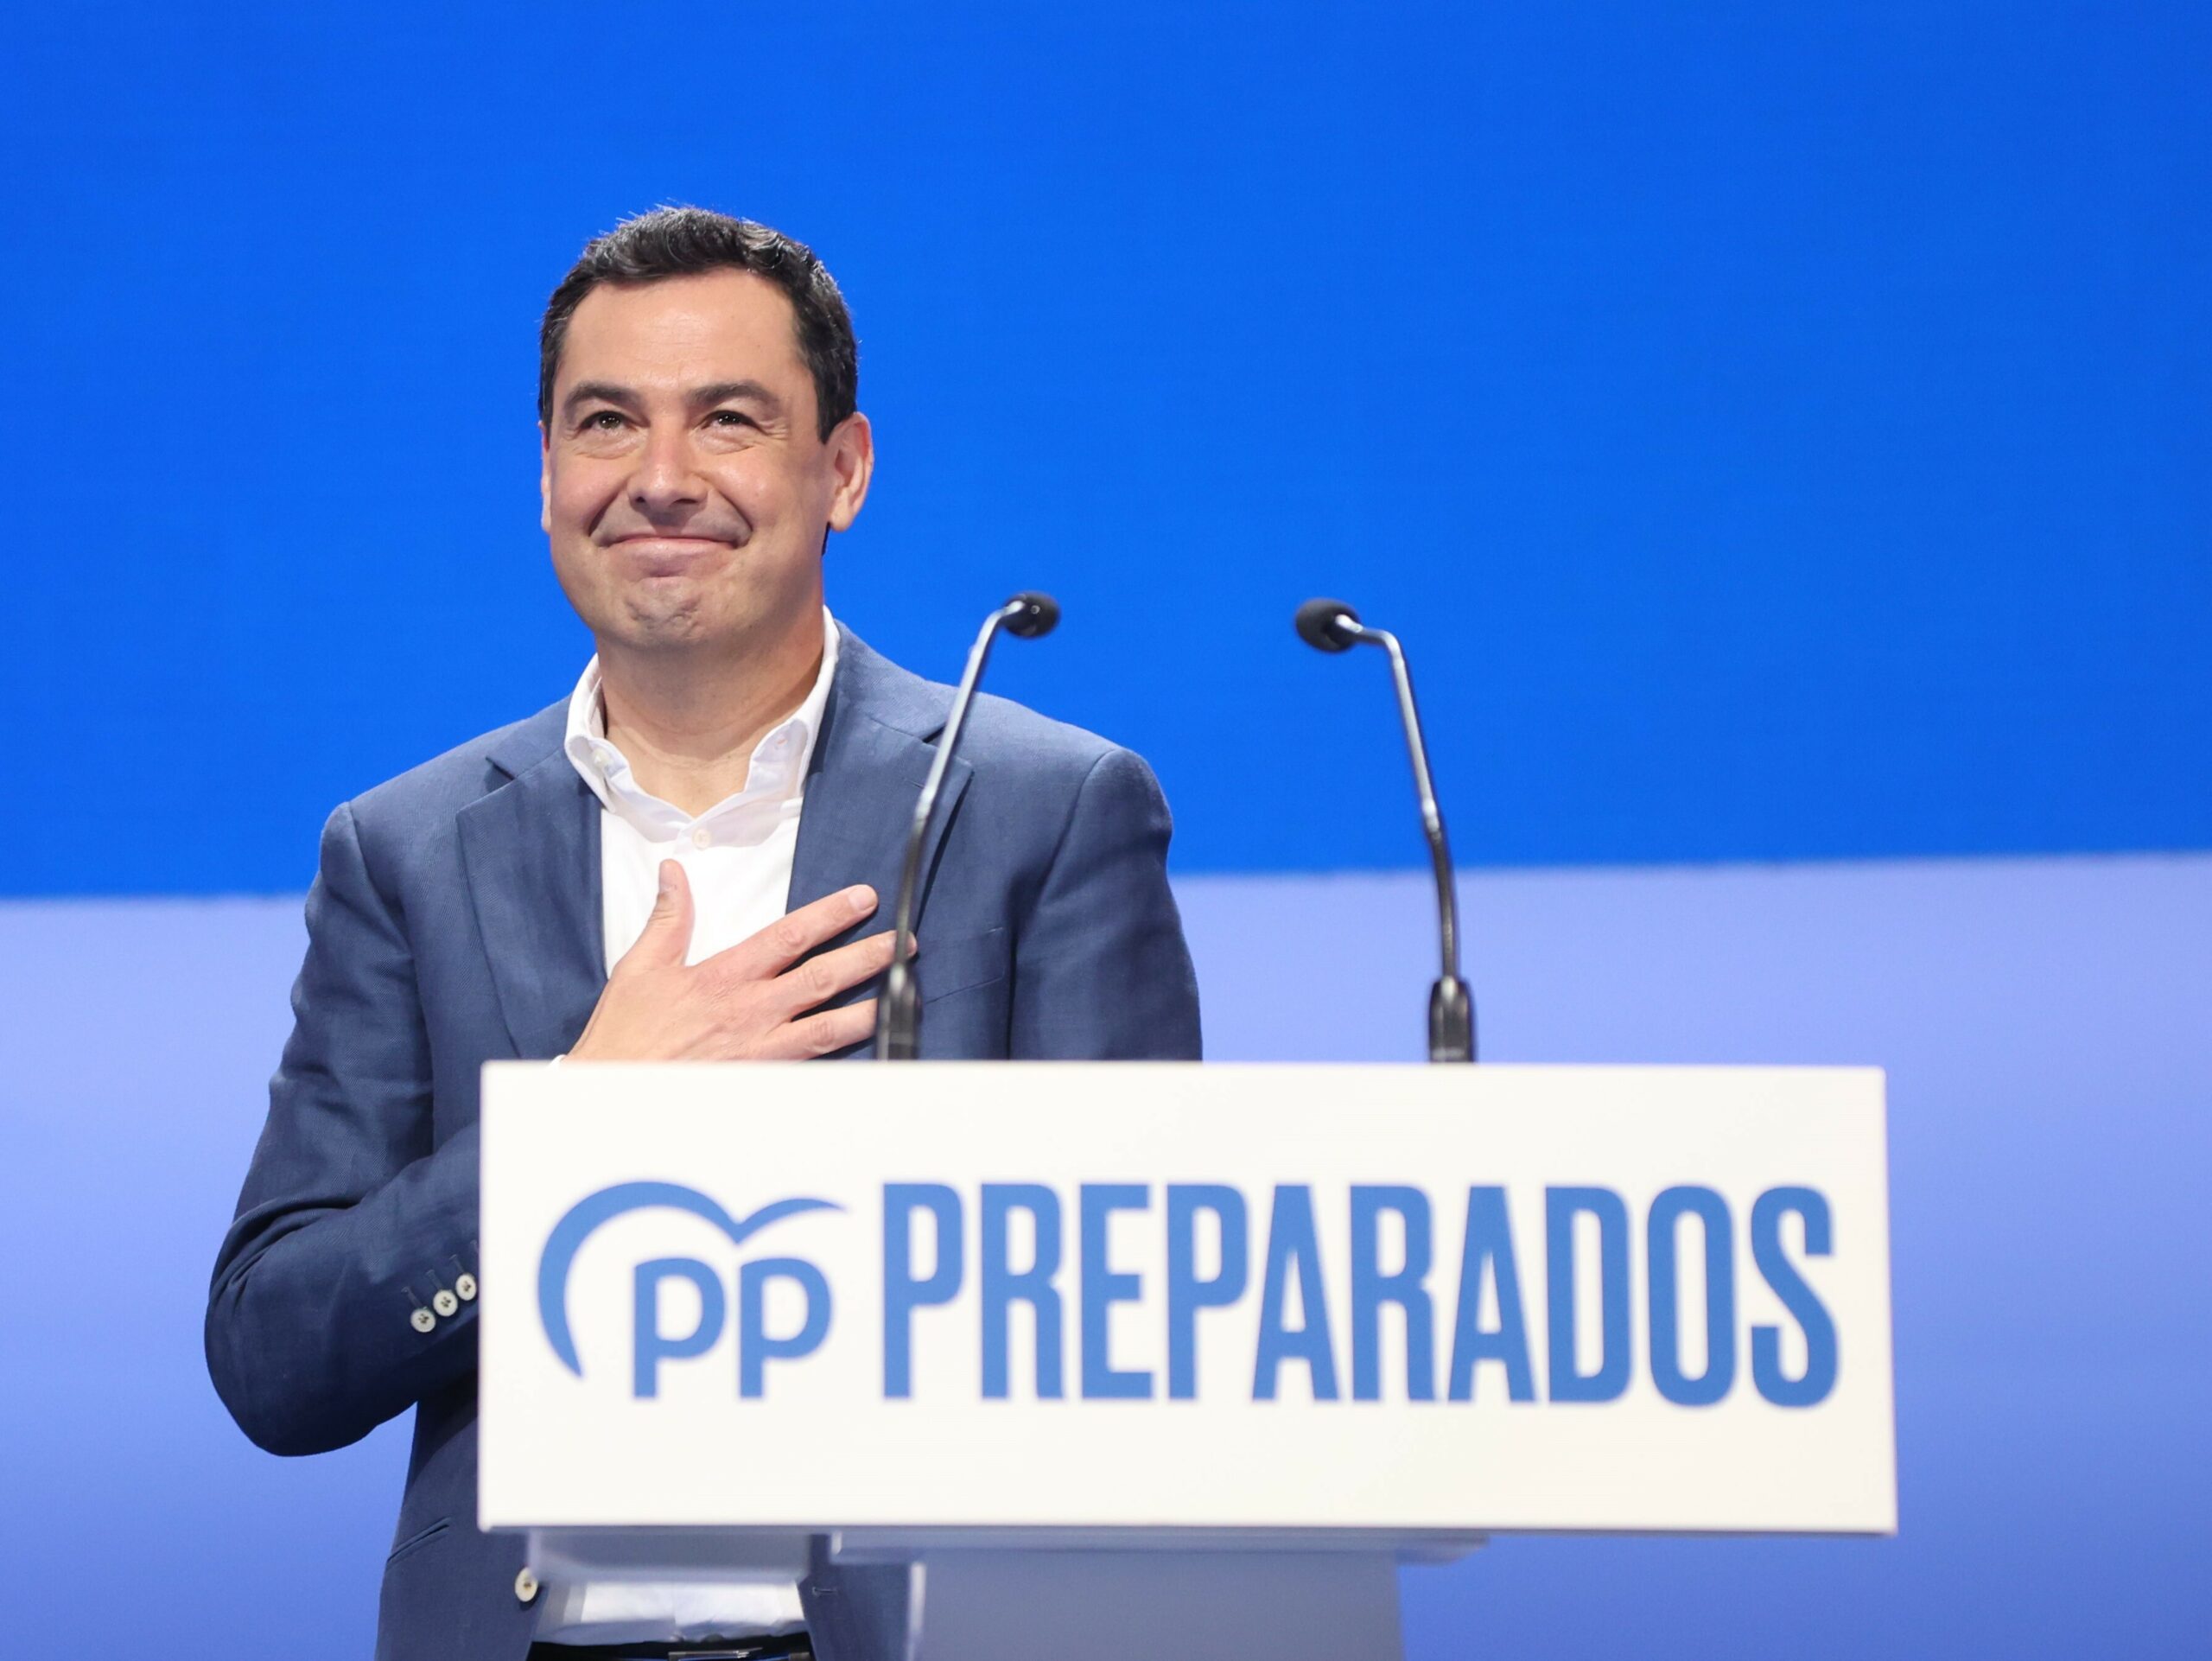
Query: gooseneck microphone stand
{"points": [[1331, 626], [898, 1013]]}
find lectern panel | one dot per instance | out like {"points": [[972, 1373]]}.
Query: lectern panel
{"points": [[1166, 1295]]}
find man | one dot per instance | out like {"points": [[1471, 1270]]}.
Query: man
{"points": [[686, 858]]}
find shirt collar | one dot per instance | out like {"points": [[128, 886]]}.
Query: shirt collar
{"points": [[777, 773]]}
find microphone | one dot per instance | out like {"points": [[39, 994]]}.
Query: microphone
{"points": [[1331, 626], [898, 1014]]}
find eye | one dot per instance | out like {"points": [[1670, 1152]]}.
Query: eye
{"points": [[601, 421], [731, 418]]}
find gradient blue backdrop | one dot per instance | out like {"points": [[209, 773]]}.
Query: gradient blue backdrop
{"points": [[1781, 432]]}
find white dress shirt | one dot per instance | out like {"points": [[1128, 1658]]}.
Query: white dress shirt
{"points": [[738, 856]]}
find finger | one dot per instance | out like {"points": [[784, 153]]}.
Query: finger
{"points": [[821, 1035], [766, 954], [667, 937], [821, 977]]}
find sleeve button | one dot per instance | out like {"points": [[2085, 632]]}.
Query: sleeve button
{"points": [[525, 1588], [422, 1320], [445, 1303], [465, 1288]]}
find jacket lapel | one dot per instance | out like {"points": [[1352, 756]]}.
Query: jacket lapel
{"points": [[530, 852], [869, 765]]}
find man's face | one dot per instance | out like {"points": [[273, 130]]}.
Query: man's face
{"points": [[686, 491]]}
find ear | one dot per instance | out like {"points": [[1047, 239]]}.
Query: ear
{"points": [[852, 464], [545, 480]]}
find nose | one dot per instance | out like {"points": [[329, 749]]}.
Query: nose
{"points": [[666, 485]]}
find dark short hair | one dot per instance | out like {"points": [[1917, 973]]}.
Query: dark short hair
{"points": [[687, 241]]}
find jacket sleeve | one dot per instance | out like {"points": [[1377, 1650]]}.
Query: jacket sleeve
{"points": [[350, 1223], [1100, 970]]}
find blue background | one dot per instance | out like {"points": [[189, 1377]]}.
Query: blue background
{"points": [[1780, 433]]}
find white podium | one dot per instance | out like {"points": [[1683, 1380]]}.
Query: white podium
{"points": [[1172, 1359]]}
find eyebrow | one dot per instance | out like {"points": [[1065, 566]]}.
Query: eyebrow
{"points": [[705, 397], [700, 397]]}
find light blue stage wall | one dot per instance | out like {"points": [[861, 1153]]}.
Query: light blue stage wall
{"points": [[2043, 1026], [1781, 430]]}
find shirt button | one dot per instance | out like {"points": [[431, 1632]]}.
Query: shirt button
{"points": [[422, 1320], [445, 1303], [465, 1288], [525, 1588], [700, 837]]}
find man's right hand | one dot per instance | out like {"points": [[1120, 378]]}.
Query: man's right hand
{"points": [[747, 1003]]}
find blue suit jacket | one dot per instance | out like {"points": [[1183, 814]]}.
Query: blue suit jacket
{"points": [[456, 920]]}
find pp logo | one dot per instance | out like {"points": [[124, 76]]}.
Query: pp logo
{"points": [[650, 1344]]}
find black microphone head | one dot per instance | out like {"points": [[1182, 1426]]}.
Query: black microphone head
{"points": [[1318, 624], [1040, 614]]}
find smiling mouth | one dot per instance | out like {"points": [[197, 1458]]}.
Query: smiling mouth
{"points": [[658, 556]]}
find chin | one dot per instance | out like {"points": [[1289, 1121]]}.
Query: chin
{"points": [[681, 613], [645, 620]]}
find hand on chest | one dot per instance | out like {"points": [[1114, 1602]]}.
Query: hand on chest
{"points": [[740, 867]]}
